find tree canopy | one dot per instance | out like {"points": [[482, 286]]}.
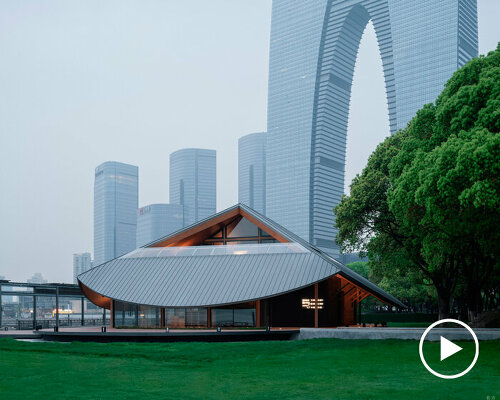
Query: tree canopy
{"points": [[427, 203]]}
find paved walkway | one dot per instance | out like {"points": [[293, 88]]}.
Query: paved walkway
{"points": [[396, 333], [351, 333], [20, 334]]}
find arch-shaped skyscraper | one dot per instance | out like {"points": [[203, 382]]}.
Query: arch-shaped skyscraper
{"points": [[314, 46]]}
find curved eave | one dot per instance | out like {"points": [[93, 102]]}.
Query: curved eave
{"points": [[204, 281], [214, 280], [96, 298]]}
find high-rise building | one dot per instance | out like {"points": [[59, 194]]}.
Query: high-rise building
{"points": [[193, 183], [115, 210], [252, 171], [81, 262], [313, 50], [157, 220]]}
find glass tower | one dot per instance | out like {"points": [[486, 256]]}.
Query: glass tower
{"points": [[81, 262], [193, 183], [252, 171], [157, 220], [115, 210], [313, 50]]}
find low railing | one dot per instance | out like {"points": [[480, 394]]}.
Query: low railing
{"points": [[27, 325]]}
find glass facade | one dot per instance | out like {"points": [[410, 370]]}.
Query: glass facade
{"points": [[25, 306], [139, 316], [252, 171], [232, 247], [193, 183], [313, 51], [237, 317], [156, 221], [115, 210]]}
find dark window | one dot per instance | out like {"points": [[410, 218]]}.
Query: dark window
{"points": [[244, 228]]}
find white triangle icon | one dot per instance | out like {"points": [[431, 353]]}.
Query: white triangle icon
{"points": [[448, 348]]}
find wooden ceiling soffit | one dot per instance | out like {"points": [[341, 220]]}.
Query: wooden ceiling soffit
{"points": [[96, 298]]}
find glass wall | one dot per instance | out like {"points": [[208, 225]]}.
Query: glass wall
{"points": [[239, 231], [175, 317], [142, 316], [139, 316], [237, 317], [26, 306], [125, 314], [149, 317], [186, 317]]}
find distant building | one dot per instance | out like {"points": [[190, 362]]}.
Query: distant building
{"points": [[115, 210], [348, 258], [313, 51], [252, 171], [81, 262], [157, 220], [36, 278], [193, 183]]}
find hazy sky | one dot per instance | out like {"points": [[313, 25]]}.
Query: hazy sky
{"points": [[132, 81]]}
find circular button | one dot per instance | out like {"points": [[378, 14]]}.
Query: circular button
{"points": [[448, 348]]}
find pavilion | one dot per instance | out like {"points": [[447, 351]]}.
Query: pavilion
{"points": [[236, 268]]}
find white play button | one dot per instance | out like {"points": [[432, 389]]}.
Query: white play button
{"points": [[448, 348]]}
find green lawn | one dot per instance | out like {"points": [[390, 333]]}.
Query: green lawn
{"points": [[313, 369]]}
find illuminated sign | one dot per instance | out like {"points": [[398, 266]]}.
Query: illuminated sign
{"points": [[309, 304]]}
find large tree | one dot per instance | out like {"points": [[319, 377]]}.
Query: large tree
{"points": [[428, 199]]}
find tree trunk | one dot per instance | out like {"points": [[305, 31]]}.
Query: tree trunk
{"points": [[474, 302], [444, 297]]}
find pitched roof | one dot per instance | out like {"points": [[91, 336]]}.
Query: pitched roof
{"points": [[157, 277]]}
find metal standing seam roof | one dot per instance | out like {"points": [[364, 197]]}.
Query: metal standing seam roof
{"points": [[215, 280], [205, 280]]}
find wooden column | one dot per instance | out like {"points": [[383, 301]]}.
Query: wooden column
{"points": [[162, 318], [112, 313], [257, 314], [209, 317], [316, 305]]}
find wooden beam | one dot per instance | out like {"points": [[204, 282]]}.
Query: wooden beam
{"points": [[316, 324], [347, 280], [350, 290], [112, 314], [257, 314], [364, 296]]}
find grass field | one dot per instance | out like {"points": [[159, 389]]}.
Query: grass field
{"points": [[313, 369]]}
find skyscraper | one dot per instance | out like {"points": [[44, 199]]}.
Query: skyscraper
{"points": [[314, 45], [157, 220], [115, 210], [252, 171], [193, 183], [81, 262]]}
